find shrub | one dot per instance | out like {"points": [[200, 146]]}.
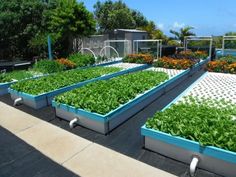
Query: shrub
{"points": [[82, 60], [48, 66], [67, 63], [217, 66], [171, 63], [197, 55], [223, 66], [139, 58], [229, 58], [231, 68]]}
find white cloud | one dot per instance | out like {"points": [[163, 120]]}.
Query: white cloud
{"points": [[160, 26], [178, 25]]}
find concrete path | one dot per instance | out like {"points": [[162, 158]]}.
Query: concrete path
{"points": [[81, 156]]}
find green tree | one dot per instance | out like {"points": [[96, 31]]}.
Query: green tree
{"points": [[230, 34], [230, 44], [25, 25], [149, 28], [19, 22], [120, 18], [185, 31], [139, 19], [154, 32], [217, 41], [68, 20], [113, 15]]}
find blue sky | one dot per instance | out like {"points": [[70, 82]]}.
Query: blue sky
{"points": [[208, 17]]}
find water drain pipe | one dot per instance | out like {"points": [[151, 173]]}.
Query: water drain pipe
{"points": [[18, 100], [72, 122], [193, 165]]}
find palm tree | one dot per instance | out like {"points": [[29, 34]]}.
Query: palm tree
{"points": [[185, 31], [154, 32]]}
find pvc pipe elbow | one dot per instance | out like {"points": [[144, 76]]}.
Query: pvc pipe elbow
{"points": [[193, 166], [17, 101], [72, 122]]}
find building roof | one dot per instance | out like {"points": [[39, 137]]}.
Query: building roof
{"points": [[131, 30]]}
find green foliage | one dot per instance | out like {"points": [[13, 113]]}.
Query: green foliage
{"points": [[185, 31], [25, 25], [69, 19], [139, 58], [62, 79], [198, 44], [154, 32], [48, 66], [217, 41], [114, 15], [230, 33], [199, 120], [104, 96], [139, 19], [82, 59], [229, 59], [20, 20], [173, 43], [15, 75]]}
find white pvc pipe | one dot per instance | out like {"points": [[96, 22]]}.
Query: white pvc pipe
{"points": [[18, 100], [88, 49], [72, 122], [193, 166], [3, 71], [111, 48]]}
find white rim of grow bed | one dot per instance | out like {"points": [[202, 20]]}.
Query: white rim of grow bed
{"points": [[158, 42], [124, 65], [215, 86], [199, 38], [171, 72], [227, 38]]}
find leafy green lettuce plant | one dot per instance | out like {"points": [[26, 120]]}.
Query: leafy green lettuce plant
{"points": [[104, 96], [15, 75], [209, 122], [62, 79]]}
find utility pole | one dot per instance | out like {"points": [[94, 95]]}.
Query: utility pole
{"points": [[49, 48], [49, 38]]}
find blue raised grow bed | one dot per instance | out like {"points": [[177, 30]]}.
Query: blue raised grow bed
{"points": [[220, 53], [42, 100], [214, 159], [105, 123], [4, 86]]}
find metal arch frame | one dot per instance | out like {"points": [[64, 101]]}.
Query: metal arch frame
{"points": [[198, 38], [159, 45], [227, 38], [88, 49], [117, 40], [108, 46]]}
